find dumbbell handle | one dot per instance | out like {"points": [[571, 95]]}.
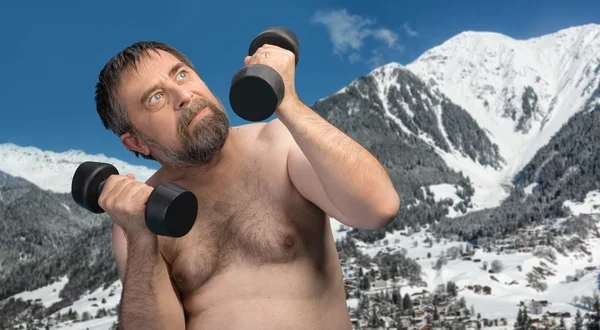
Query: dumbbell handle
{"points": [[100, 187]]}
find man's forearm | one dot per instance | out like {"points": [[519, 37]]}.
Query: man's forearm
{"points": [[354, 180], [140, 304]]}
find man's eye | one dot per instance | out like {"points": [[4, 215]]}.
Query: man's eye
{"points": [[181, 75], [155, 97]]}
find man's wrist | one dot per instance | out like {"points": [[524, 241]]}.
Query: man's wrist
{"points": [[143, 238], [290, 104]]}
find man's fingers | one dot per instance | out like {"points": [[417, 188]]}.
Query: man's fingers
{"points": [[265, 53], [127, 190], [114, 188], [114, 194], [142, 194], [109, 186], [128, 200]]}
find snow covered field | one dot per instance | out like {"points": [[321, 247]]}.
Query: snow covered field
{"points": [[509, 287]]}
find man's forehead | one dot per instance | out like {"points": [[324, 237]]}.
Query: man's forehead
{"points": [[136, 78], [152, 60]]}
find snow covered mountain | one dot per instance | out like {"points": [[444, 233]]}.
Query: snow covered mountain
{"points": [[54, 170], [519, 91], [424, 139]]}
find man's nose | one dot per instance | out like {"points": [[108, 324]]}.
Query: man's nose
{"points": [[183, 97]]}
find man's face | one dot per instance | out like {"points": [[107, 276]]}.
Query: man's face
{"points": [[177, 119]]}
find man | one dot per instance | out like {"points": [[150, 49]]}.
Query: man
{"points": [[261, 254]]}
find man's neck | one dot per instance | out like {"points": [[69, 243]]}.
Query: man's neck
{"points": [[204, 173]]}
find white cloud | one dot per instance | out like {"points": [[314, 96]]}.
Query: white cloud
{"points": [[354, 57], [387, 36], [348, 33], [409, 31]]}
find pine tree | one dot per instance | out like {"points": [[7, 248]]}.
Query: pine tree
{"points": [[526, 321], [373, 320], [363, 303], [594, 318], [395, 296], [451, 289], [364, 283], [400, 304], [407, 303], [578, 324], [519, 323], [394, 271]]}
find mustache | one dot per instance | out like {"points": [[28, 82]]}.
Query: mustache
{"points": [[192, 109]]}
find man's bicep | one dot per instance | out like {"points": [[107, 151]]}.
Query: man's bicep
{"points": [[307, 182], [300, 171]]}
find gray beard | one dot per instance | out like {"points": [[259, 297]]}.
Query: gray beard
{"points": [[199, 144]]}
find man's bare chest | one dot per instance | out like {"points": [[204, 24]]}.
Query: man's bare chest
{"points": [[253, 222]]}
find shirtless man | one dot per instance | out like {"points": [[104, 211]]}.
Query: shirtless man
{"points": [[261, 254]]}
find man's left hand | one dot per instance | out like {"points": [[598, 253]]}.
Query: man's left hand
{"points": [[284, 62]]}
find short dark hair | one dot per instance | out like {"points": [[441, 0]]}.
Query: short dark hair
{"points": [[111, 110]]}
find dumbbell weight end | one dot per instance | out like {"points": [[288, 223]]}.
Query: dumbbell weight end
{"points": [[171, 210], [88, 182], [256, 91]]}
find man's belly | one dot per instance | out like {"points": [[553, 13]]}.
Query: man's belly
{"points": [[286, 296], [267, 314]]}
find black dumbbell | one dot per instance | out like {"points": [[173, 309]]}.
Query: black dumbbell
{"points": [[170, 209], [257, 89]]}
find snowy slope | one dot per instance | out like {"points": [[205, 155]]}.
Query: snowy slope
{"points": [[91, 302], [104, 323], [506, 294], [488, 74], [54, 171]]}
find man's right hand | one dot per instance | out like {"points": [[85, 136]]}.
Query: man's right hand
{"points": [[124, 199]]}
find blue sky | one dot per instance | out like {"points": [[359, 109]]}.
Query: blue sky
{"points": [[52, 51]]}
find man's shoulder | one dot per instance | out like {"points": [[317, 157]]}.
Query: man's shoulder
{"points": [[154, 179], [270, 133], [276, 132], [269, 141]]}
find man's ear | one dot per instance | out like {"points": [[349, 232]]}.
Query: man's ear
{"points": [[134, 144]]}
